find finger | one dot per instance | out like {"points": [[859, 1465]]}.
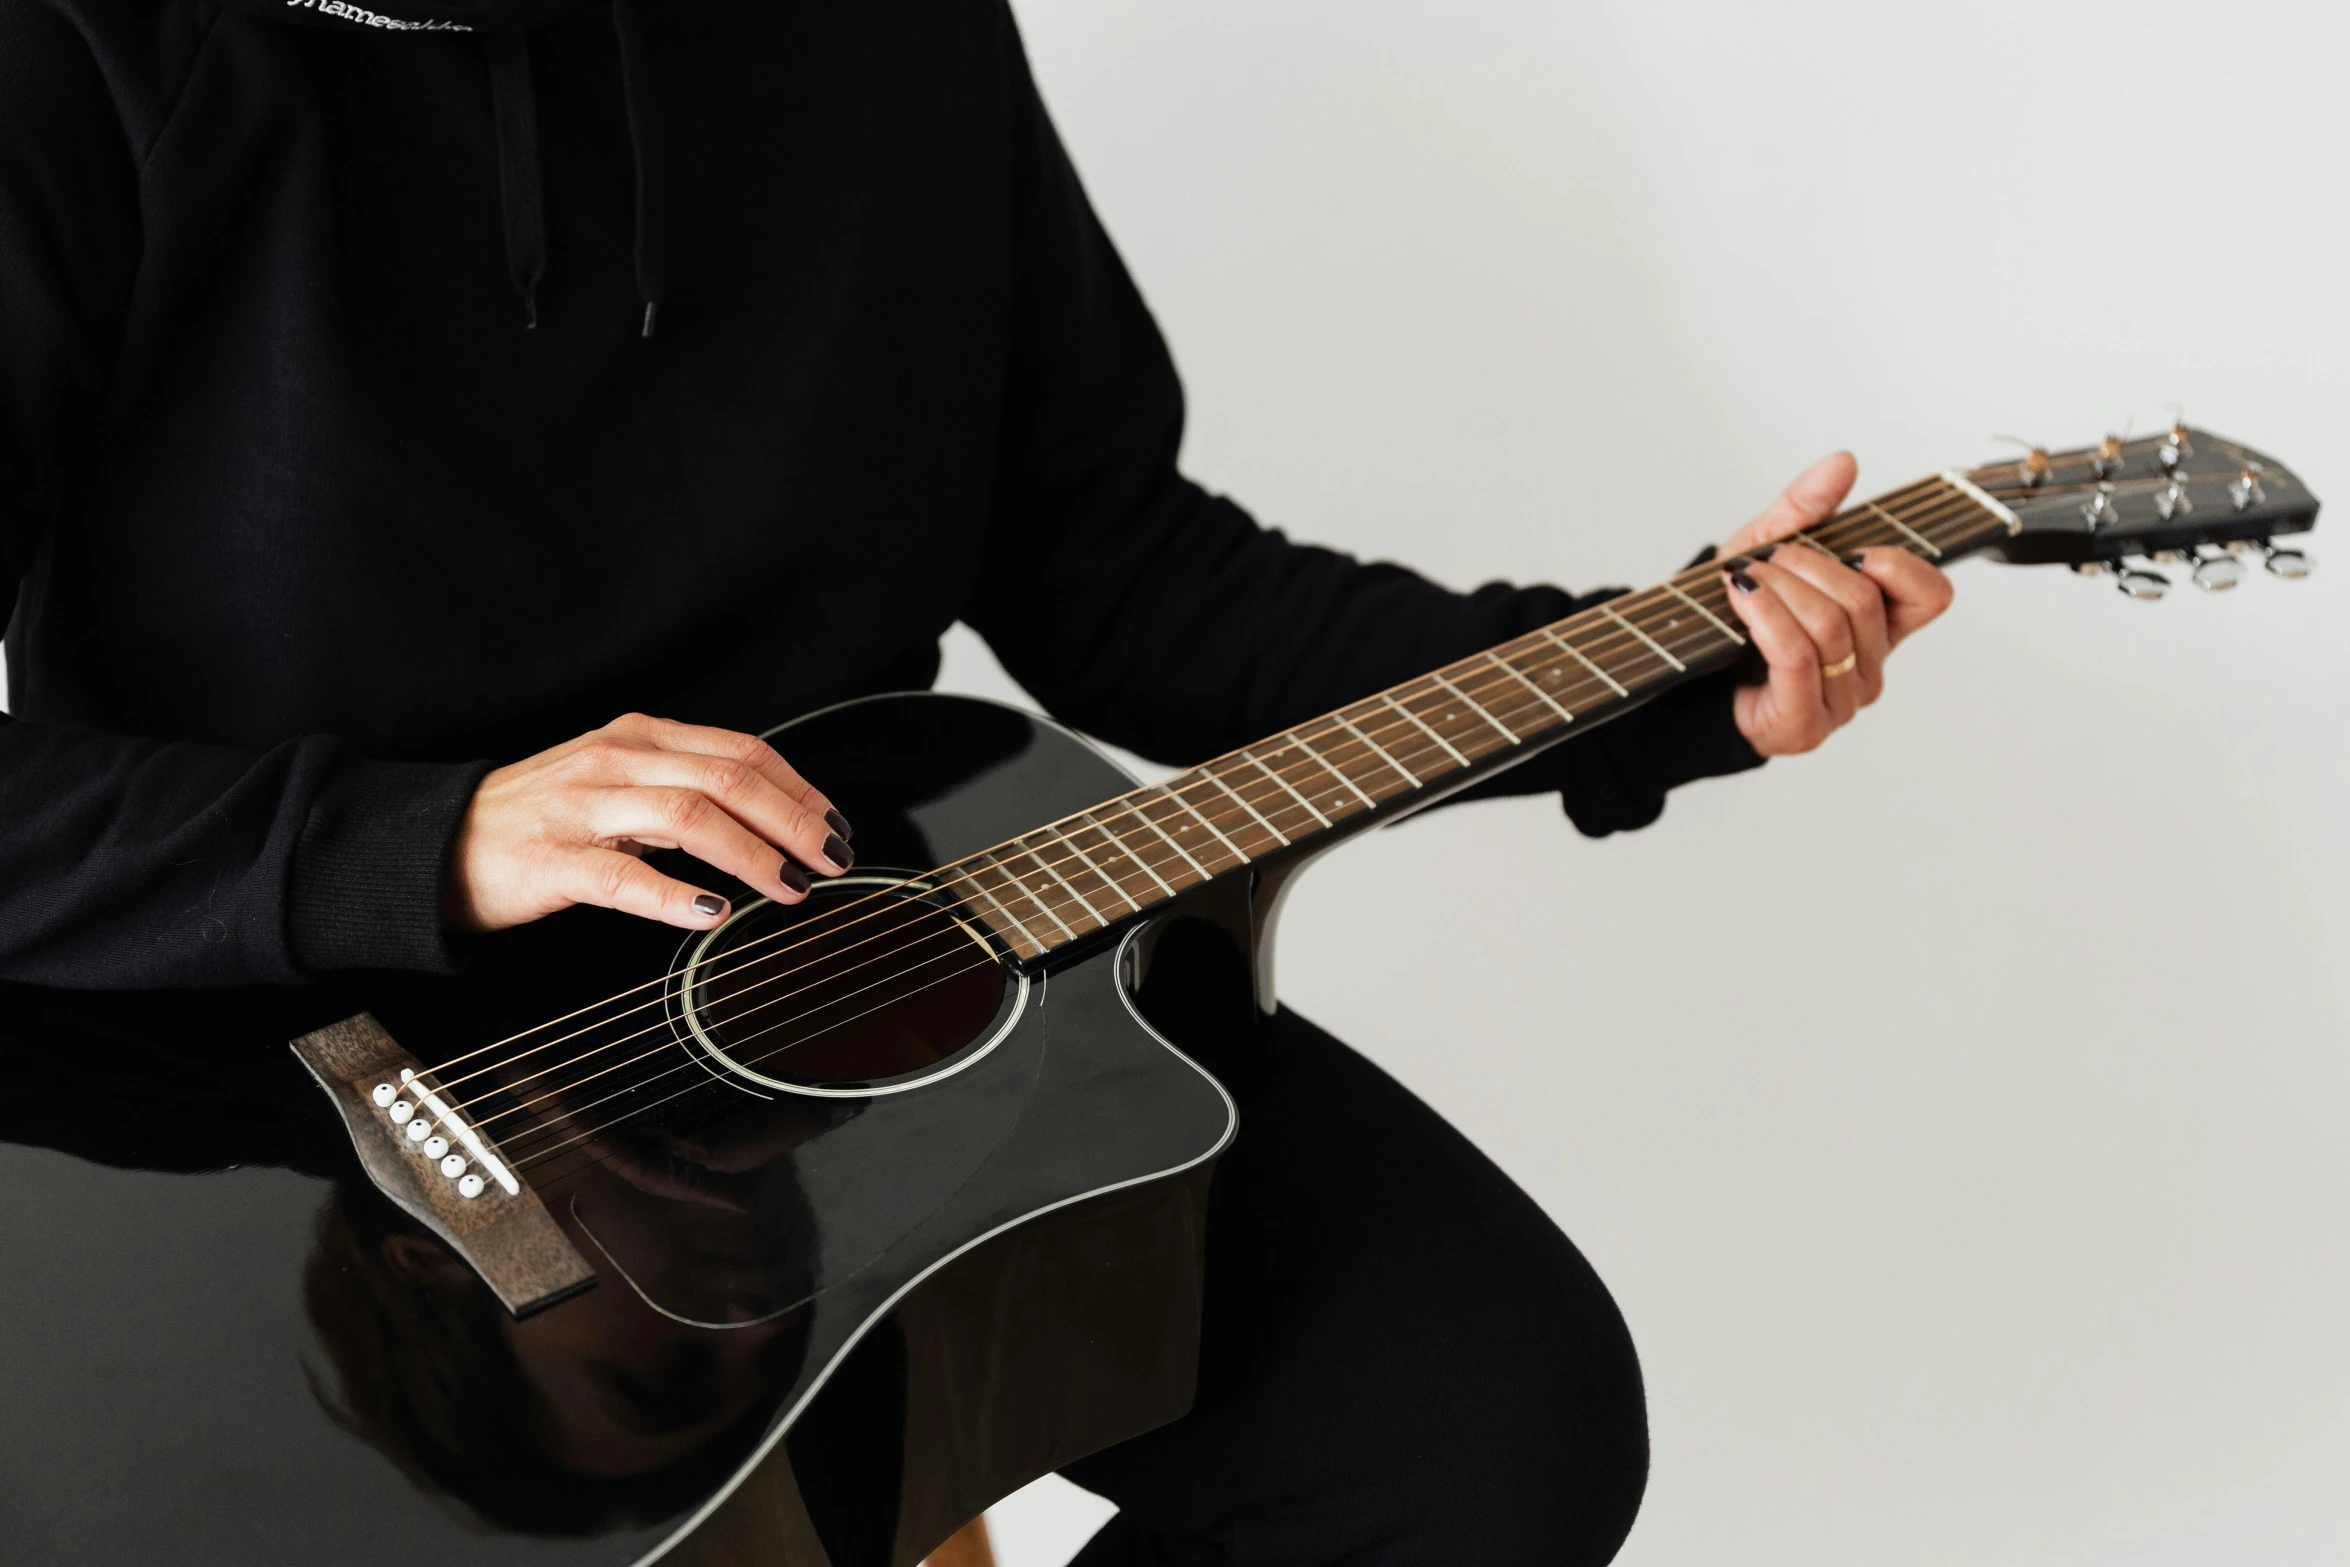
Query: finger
{"points": [[733, 745], [1813, 497], [751, 798], [1916, 591], [1863, 604], [612, 880], [1824, 622], [1785, 714], [689, 819]]}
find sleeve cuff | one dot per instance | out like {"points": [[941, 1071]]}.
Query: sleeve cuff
{"points": [[1629, 767], [1616, 779], [372, 863]]}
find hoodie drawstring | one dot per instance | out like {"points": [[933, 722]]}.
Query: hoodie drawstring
{"points": [[521, 186], [636, 89], [514, 103]]}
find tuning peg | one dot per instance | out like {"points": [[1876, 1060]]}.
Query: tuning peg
{"points": [[2033, 468], [2108, 460], [2245, 488], [2291, 565], [2217, 573], [2172, 499], [2175, 447], [2141, 583], [2099, 508]]}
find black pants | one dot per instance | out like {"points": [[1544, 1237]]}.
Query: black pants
{"points": [[1404, 1361]]}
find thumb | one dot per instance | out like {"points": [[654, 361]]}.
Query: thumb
{"points": [[1813, 497]]}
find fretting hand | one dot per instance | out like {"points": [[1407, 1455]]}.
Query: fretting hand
{"points": [[1823, 628], [571, 825]]}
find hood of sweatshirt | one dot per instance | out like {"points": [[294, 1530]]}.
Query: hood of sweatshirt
{"points": [[504, 28]]}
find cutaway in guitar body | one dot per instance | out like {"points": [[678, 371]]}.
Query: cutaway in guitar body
{"points": [[843, 1300]]}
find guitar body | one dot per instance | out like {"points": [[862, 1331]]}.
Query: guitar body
{"points": [[829, 1338]]}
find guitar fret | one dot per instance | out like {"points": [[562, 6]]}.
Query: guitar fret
{"points": [[1424, 729], [1507, 733], [1067, 886], [1209, 772], [1675, 590], [1410, 778], [1920, 539], [1147, 868], [1645, 637], [1250, 757], [1564, 679], [1576, 653], [1171, 843], [1177, 796], [1099, 874], [997, 904], [1540, 695], [1368, 802], [1029, 893]]}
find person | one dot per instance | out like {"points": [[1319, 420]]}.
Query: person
{"points": [[391, 394]]}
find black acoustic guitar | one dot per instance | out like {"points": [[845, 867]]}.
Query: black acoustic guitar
{"points": [[806, 1240]]}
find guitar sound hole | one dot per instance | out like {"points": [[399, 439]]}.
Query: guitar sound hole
{"points": [[859, 989]]}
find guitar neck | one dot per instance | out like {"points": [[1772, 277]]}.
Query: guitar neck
{"points": [[1412, 744]]}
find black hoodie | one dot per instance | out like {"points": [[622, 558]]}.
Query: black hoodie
{"points": [[386, 389]]}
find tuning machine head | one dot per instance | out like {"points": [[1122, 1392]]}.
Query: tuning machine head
{"points": [[2244, 491], [2100, 508], [2107, 459], [2291, 565], [2033, 468], [2175, 447], [2218, 573], [2142, 583]]}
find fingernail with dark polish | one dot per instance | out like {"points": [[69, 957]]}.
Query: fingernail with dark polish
{"points": [[1743, 582], [838, 852], [1855, 560], [1737, 563], [1766, 552], [839, 824], [709, 903], [793, 878]]}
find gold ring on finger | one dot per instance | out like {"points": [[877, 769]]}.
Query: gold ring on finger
{"points": [[1842, 666]]}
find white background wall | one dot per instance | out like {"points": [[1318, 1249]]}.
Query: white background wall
{"points": [[1960, 1115]]}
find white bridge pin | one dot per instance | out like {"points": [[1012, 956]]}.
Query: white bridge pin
{"points": [[469, 1186], [435, 1146], [419, 1129], [401, 1111], [453, 1166], [385, 1093]]}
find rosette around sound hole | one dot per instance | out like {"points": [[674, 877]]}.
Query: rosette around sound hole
{"points": [[865, 988]]}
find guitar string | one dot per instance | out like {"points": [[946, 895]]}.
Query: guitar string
{"points": [[1205, 774], [1937, 509], [1264, 810], [537, 1155], [1611, 641], [660, 1026], [1177, 791]]}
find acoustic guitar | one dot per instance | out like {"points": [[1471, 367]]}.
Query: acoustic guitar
{"points": [[806, 1240]]}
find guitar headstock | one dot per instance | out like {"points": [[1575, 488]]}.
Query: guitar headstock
{"points": [[2125, 507]]}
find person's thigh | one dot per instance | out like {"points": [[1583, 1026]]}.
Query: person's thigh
{"points": [[1404, 1361]]}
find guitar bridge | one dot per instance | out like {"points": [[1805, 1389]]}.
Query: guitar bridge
{"points": [[440, 1169]]}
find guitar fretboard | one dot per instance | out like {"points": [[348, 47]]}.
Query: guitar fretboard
{"points": [[1096, 869]]}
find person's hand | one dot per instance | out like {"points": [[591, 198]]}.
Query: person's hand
{"points": [[1809, 615], [571, 825]]}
